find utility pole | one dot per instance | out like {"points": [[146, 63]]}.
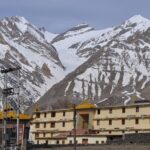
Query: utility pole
{"points": [[18, 109], [6, 92], [74, 124], [5, 113]]}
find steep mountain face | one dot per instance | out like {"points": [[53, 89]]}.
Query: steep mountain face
{"points": [[23, 44], [111, 66]]}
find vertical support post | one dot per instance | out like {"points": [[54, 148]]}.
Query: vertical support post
{"points": [[74, 121], [18, 108], [6, 92], [5, 114]]}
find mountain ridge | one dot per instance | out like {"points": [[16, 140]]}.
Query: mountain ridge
{"points": [[109, 66], [122, 69], [25, 45]]}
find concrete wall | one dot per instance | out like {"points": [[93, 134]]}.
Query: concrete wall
{"points": [[91, 140]]}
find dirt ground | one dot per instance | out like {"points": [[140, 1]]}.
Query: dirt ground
{"points": [[102, 147]]}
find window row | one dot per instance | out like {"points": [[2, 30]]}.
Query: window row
{"points": [[53, 114], [98, 132], [110, 132], [84, 141], [123, 110], [122, 122], [52, 125], [57, 142]]}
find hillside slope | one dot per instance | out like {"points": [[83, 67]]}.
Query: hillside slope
{"points": [[115, 67], [23, 44]]}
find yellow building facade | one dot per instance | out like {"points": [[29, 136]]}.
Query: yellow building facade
{"points": [[94, 125]]}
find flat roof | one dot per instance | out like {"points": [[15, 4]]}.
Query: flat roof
{"points": [[93, 107], [13, 115]]}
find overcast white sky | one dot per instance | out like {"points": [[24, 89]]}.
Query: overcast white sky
{"points": [[59, 15]]}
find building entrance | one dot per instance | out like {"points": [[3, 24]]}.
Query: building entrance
{"points": [[84, 121]]}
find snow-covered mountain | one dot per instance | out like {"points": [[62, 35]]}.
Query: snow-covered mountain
{"points": [[23, 44], [109, 66]]}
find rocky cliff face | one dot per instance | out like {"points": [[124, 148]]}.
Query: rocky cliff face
{"points": [[109, 66], [115, 65], [23, 44]]}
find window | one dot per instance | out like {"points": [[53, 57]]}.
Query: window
{"points": [[64, 113], [45, 115], [37, 125], [97, 142], [36, 135], [63, 124], [136, 131], [37, 142], [123, 131], [53, 114], [43, 134], [136, 121], [98, 122], [98, 111], [123, 110], [44, 124], [110, 110], [70, 142], [63, 142], [84, 141], [110, 122], [109, 132], [137, 109], [57, 142], [52, 124], [123, 121], [37, 115]]}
